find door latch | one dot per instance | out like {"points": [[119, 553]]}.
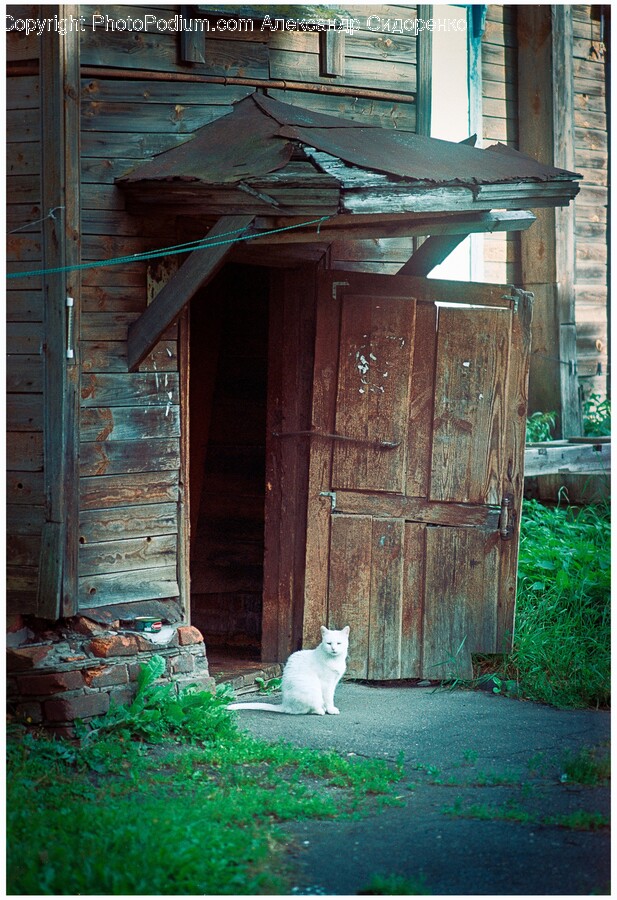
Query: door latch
{"points": [[507, 517]]}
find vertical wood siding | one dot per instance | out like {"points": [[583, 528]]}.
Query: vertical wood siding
{"points": [[590, 216], [24, 334]]}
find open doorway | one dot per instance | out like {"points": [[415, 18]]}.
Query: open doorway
{"points": [[228, 405]]}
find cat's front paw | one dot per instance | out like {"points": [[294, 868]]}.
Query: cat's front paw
{"points": [[333, 711]]}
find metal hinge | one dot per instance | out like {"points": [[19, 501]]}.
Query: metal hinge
{"points": [[332, 496], [516, 295], [507, 517]]}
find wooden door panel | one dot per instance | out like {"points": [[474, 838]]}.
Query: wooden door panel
{"points": [[460, 611], [404, 542], [372, 401], [386, 600], [470, 404], [412, 625], [349, 587], [422, 401]]}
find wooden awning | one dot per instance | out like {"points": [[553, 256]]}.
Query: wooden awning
{"points": [[270, 157], [270, 171]]}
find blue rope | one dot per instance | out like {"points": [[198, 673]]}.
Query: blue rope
{"points": [[202, 244]]}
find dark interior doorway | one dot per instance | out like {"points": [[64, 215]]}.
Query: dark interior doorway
{"points": [[228, 403]]}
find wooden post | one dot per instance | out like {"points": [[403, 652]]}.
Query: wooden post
{"points": [[424, 52], [546, 117], [60, 188]]}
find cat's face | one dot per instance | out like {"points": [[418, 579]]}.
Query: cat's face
{"points": [[334, 642]]}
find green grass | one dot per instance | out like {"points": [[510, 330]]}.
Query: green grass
{"points": [[167, 796], [392, 885], [561, 649], [590, 766], [513, 812]]}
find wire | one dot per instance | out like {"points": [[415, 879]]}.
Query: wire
{"points": [[50, 215], [202, 244]]}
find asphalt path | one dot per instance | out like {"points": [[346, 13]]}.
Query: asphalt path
{"points": [[497, 764]]}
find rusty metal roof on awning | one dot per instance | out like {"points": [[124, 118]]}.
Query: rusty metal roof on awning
{"points": [[261, 135]]}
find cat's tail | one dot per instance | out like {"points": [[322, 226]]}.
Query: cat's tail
{"points": [[269, 706]]}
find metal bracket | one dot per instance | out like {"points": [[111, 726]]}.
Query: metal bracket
{"points": [[332, 496], [337, 284], [516, 295]]}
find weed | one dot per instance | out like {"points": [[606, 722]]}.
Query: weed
{"points": [[396, 884], [540, 427], [272, 686], [597, 416], [561, 649], [579, 821], [188, 804], [470, 756], [513, 812], [586, 766], [158, 712]]}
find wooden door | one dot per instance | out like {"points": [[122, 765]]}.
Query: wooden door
{"points": [[416, 470]]}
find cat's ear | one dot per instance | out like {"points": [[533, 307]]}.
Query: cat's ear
{"points": [[346, 629], [323, 630]]}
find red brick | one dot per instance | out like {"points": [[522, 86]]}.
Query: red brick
{"points": [[85, 626], [82, 707], [188, 634], [50, 683], [22, 658], [14, 622], [106, 676], [114, 645]]}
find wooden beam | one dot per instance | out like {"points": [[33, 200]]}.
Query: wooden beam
{"points": [[196, 271], [430, 253], [370, 227]]}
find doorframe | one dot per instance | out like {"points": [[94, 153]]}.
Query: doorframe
{"points": [[291, 341], [184, 493]]}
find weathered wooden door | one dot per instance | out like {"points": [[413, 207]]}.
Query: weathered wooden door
{"points": [[416, 470]]}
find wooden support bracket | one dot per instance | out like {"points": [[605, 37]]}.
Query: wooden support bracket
{"points": [[432, 252], [195, 272]]}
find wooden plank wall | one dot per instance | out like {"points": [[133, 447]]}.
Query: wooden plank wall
{"points": [[500, 123], [24, 334], [130, 450], [590, 207]]}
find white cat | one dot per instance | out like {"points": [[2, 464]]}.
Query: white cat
{"points": [[310, 677]]}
